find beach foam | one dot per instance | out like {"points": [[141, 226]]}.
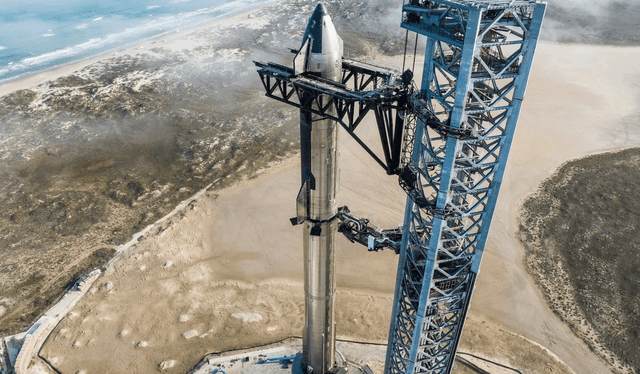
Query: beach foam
{"points": [[75, 41]]}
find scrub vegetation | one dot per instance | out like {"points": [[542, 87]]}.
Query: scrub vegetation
{"points": [[581, 232]]}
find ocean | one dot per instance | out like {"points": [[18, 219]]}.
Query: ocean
{"points": [[36, 35]]}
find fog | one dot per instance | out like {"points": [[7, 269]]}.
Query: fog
{"points": [[613, 22]]}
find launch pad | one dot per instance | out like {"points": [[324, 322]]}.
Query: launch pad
{"points": [[286, 358]]}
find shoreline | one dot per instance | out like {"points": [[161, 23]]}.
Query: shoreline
{"points": [[32, 79]]}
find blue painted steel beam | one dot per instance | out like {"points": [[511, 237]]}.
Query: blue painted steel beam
{"points": [[477, 62]]}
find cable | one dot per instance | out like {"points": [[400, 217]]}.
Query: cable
{"points": [[415, 50], [406, 39], [491, 362]]}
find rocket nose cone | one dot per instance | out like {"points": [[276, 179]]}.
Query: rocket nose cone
{"points": [[320, 9], [319, 24]]}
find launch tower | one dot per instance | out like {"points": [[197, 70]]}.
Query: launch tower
{"points": [[477, 62]]}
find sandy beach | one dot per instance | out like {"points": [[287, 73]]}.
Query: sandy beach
{"points": [[226, 272]]}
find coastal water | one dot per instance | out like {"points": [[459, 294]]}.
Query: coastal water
{"points": [[39, 34]]}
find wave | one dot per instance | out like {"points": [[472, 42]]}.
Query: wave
{"points": [[2, 47], [148, 29], [97, 19], [153, 7]]}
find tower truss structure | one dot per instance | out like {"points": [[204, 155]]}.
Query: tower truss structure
{"points": [[477, 62]]}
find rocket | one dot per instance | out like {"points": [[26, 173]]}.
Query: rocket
{"points": [[320, 54]]}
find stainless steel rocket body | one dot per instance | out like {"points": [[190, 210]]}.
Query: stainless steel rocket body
{"points": [[321, 53]]}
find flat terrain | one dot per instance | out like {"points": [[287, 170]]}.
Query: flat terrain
{"points": [[181, 293]]}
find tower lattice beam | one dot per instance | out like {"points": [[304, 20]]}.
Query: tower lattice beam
{"points": [[477, 62]]}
